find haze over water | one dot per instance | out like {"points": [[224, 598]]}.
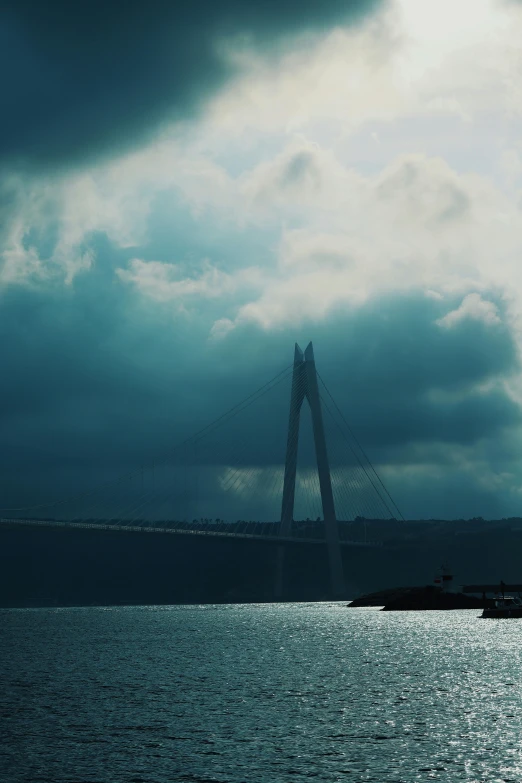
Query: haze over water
{"points": [[258, 693]]}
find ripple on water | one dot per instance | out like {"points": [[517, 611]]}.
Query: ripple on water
{"points": [[258, 693]]}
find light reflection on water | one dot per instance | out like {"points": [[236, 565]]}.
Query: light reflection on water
{"points": [[278, 692]]}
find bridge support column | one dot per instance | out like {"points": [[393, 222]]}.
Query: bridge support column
{"points": [[292, 441], [304, 384]]}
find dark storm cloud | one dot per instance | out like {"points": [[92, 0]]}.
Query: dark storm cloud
{"points": [[400, 377], [97, 380], [80, 79]]}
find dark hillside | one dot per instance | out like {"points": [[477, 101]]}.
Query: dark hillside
{"points": [[101, 567]]}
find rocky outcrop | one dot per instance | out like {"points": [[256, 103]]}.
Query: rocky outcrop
{"points": [[418, 599]]}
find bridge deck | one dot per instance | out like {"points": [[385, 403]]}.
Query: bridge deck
{"points": [[175, 531]]}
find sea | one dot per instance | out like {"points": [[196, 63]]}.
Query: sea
{"points": [[262, 693]]}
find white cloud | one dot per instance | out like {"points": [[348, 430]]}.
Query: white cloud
{"points": [[453, 58], [162, 281], [473, 307], [40, 207], [344, 75], [417, 224], [165, 282], [18, 260], [20, 264], [290, 147], [221, 328]]}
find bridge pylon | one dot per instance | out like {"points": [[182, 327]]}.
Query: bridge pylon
{"points": [[304, 384]]}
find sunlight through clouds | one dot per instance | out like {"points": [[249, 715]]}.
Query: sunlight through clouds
{"points": [[342, 170]]}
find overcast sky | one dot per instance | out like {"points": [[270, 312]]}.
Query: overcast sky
{"points": [[186, 190]]}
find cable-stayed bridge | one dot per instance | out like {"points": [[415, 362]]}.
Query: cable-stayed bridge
{"points": [[271, 468]]}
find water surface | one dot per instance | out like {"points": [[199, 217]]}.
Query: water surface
{"points": [[274, 692]]}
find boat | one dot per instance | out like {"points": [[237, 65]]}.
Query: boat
{"points": [[504, 606]]}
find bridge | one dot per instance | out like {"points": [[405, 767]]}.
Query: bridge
{"points": [[306, 487], [248, 531]]}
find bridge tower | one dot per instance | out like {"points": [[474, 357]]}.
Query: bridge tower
{"points": [[304, 384]]}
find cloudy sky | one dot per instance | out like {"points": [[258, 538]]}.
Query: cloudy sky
{"points": [[185, 191]]}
